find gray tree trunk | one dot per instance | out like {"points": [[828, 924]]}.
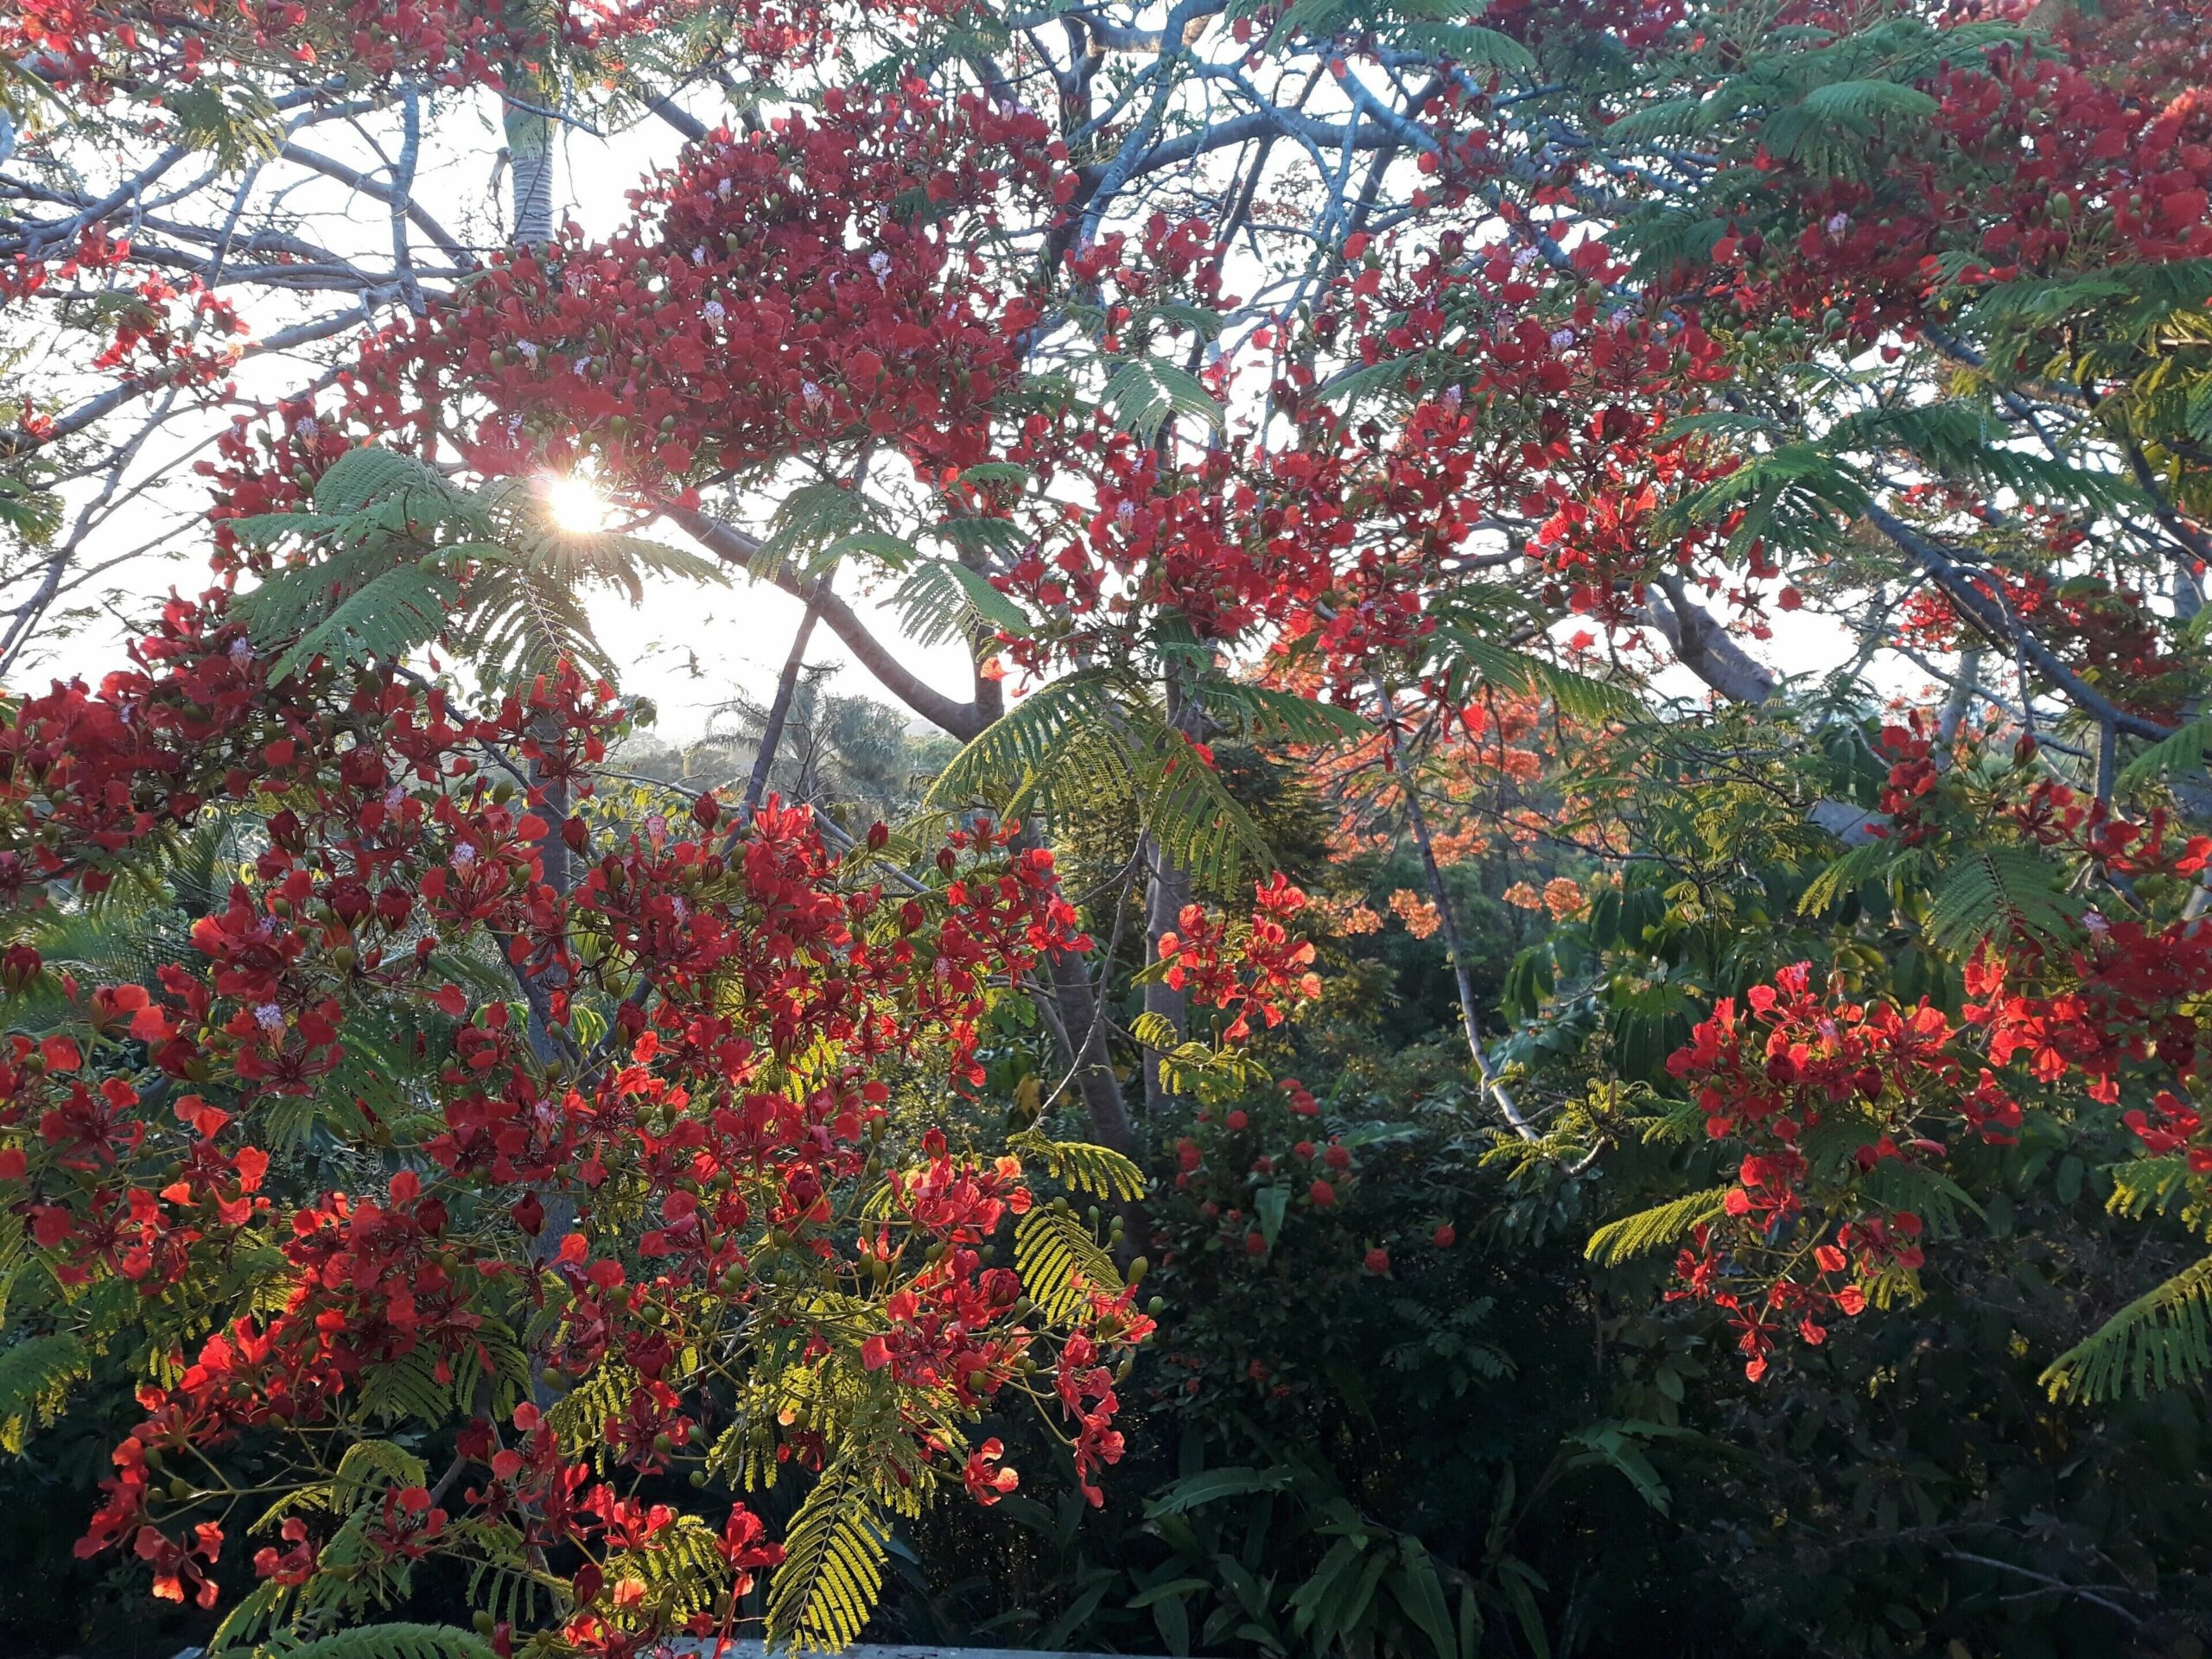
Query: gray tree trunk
{"points": [[530, 162]]}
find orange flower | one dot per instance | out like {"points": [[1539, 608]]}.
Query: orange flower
{"points": [[1564, 897], [1348, 917], [1417, 913]]}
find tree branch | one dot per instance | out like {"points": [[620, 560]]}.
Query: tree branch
{"points": [[733, 546], [330, 167], [19, 443], [1702, 645], [1990, 620]]}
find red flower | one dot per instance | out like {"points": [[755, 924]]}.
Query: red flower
{"points": [[987, 1483]]}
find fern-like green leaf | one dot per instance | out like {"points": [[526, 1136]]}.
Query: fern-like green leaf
{"points": [[33, 514], [994, 606], [2157, 1341], [233, 119], [1099, 1171], [523, 620], [1966, 441], [407, 1387], [399, 612], [1469, 46], [1395, 375], [1015, 753], [821, 1597], [2156, 291], [933, 605], [1577, 696], [1669, 117], [369, 1466], [373, 473], [1061, 1264], [1263, 712], [2182, 750], [1796, 495], [1144, 393], [1655, 1229], [1846, 876], [682, 1571], [1999, 892], [812, 517], [1190, 814], [2145, 1186], [36, 1376], [391, 1642]]}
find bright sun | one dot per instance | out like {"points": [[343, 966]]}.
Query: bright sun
{"points": [[575, 501]]}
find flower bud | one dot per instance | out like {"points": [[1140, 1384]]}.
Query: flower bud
{"points": [[20, 968]]}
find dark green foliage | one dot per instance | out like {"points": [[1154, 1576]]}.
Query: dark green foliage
{"points": [[1514, 1416]]}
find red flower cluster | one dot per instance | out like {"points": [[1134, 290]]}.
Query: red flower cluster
{"points": [[672, 1127], [1259, 965], [821, 282], [94, 47], [2090, 142], [2121, 1008], [1800, 1076]]}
